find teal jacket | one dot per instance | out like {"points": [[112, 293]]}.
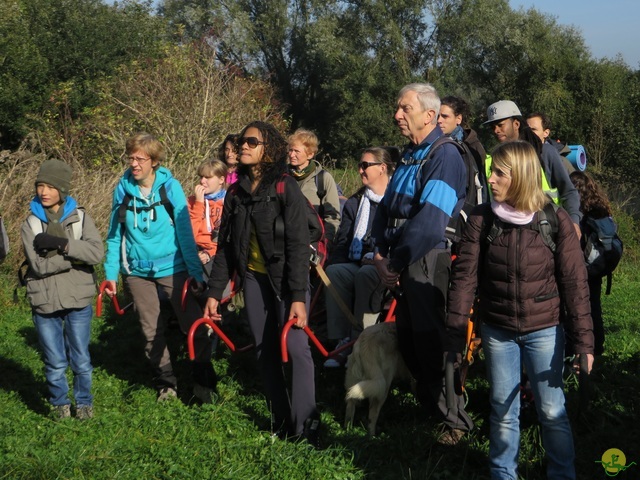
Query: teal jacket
{"points": [[150, 243]]}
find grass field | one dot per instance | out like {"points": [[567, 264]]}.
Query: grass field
{"points": [[133, 437]]}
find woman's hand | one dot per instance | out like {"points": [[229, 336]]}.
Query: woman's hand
{"points": [[199, 191], [299, 310], [211, 310], [110, 289], [576, 362]]}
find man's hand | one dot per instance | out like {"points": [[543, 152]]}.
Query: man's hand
{"points": [[387, 277], [299, 310], [211, 310]]}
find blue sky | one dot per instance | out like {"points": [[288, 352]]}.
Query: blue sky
{"points": [[608, 27]]}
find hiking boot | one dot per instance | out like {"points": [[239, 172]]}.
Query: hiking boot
{"points": [[311, 432], [167, 393], [205, 394], [451, 436], [61, 412], [340, 359], [84, 412]]}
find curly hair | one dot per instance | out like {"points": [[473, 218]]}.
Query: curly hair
{"points": [[274, 159], [593, 200], [233, 138]]}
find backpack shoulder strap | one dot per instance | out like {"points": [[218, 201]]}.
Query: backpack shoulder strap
{"points": [[78, 227], [164, 199], [35, 224], [319, 179], [547, 225], [279, 223]]}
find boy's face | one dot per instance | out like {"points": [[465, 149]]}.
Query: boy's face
{"points": [[48, 195]]}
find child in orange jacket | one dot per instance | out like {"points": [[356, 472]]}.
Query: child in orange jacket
{"points": [[205, 209]]}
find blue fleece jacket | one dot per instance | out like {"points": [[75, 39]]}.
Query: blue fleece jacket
{"points": [[425, 196], [153, 246]]}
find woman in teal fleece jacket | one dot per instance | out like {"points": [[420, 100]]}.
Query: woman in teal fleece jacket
{"points": [[150, 242]]}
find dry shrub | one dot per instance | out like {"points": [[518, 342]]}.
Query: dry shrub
{"points": [[185, 99]]}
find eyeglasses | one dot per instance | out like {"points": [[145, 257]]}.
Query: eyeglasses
{"points": [[365, 165], [253, 142], [139, 160]]}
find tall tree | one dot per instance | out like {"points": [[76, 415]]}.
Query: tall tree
{"points": [[44, 43]]}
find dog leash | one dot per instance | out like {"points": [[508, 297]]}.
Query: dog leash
{"points": [[336, 296]]}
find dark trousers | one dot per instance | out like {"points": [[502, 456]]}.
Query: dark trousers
{"points": [[595, 294], [420, 322], [267, 316]]}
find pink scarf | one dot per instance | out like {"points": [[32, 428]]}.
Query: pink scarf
{"points": [[508, 214]]}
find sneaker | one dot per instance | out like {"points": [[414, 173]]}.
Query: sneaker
{"points": [[204, 394], [61, 412], [167, 393], [340, 359], [451, 437], [311, 432], [84, 412]]}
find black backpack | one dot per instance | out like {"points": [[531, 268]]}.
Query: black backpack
{"points": [[547, 226], [603, 248], [476, 189]]}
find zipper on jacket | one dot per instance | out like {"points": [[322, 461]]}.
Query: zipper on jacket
{"points": [[517, 271]]}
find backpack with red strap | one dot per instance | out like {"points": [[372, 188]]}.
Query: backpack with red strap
{"points": [[319, 242]]}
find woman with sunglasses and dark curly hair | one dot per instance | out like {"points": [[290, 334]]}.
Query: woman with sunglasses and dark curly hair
{"points": [[275, 284]]}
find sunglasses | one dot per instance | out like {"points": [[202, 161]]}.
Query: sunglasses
{"points": [[253, 142], [365, 165]]}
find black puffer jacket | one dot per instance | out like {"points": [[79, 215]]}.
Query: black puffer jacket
{"points": [[520, 282], [288, 273]]}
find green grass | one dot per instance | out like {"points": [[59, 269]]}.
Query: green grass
{"points": [[132, 436]]}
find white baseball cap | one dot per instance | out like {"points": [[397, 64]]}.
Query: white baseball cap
{"points": [[501, 110]]}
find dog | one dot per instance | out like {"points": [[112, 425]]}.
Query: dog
{"points": [[373, 365]]}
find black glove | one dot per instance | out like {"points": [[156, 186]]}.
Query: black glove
{"points": [[43, 243]]}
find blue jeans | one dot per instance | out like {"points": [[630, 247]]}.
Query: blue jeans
{"points": [[542, 352], [64, 337]]}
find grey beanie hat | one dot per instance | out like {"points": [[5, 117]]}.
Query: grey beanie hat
{"points": [[57, 174]]}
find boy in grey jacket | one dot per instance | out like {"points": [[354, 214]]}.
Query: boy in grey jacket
{"points": [[62, 244]]}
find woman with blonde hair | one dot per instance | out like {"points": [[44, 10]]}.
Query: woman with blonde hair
{"points": [[522, 280]]}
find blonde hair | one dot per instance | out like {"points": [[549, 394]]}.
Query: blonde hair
{"points": [[212, 168], [306, 138], [525, 193], [148, 144]]}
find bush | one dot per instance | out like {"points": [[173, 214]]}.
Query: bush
{"points": [[185, 99]]}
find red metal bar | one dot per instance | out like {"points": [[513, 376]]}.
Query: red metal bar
{"points": [[114, 299], [217, 330], [185, 292]]}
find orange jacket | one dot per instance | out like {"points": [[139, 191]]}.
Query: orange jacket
{"points": [[207, 241]]}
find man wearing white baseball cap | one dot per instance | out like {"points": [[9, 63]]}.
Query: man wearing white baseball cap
{"points": [[505, 118]]}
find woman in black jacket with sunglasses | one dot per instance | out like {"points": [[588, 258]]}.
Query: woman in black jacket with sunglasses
{"points": [[275, 283]]}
